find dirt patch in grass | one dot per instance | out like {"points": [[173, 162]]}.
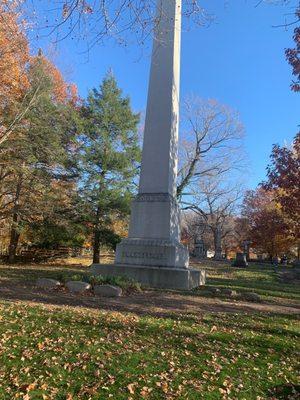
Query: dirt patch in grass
{"points": [[17, 283], [153, 303]]}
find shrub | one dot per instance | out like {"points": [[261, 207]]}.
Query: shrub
{"points": [[127, 284]]}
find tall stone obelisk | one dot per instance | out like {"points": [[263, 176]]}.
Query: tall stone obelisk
{"points": [[153, 253]]}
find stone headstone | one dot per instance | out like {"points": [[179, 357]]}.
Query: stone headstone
{"points": [[78, 287], [200, 251], [241, 260], [284, 260], [246, 248], [46, 283], [108, 290], [229, 292]]}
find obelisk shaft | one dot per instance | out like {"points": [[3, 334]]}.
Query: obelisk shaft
{"points": [[159, 158], [154, 229]]}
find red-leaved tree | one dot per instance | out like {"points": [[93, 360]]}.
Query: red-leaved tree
{"points": [[293, 55], [268, 228], [284, 179]]}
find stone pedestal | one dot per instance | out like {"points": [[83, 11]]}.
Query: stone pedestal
{"points": [[154, 277], [161, 253], [154, 233]]}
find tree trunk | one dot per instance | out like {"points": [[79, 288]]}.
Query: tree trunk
{"points": [[96, 247], [226, 253], [14, 234], [14, 240], [96, 243]]}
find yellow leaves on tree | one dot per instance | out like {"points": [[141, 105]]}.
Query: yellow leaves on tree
{"points": [[120, 226]]}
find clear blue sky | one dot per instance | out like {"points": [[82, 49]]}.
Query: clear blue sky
{"points": [[238, 60]]}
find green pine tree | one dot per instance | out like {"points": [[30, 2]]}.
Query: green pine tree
{"points": [[109, 160]]}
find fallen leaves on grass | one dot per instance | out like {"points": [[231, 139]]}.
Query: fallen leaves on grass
{"points": [[79, 354]]}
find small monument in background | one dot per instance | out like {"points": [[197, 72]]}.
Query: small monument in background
{"points": [[200, 251], [153, 253], [241, 260], [246, 248]]}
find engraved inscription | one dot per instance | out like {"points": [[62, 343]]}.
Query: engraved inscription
{"points": [[154, 197], [147, 242], [143, 255]]}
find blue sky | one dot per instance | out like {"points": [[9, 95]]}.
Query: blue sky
{"points": [[238, 60]]}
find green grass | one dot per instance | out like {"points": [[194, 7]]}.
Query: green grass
{"points": [[70, 354], [261, 279], [24, 274]]}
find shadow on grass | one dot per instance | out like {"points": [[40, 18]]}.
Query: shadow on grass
{"points": [[17, 283], [286, 391], [263, 287], [19, 273], [175, 334], [265, 280]]}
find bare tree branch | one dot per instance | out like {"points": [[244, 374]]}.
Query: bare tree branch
{"points": [[211, 142]]}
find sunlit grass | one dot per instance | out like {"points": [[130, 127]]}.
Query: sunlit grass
{"points": [[56, 353], [262, 279]]}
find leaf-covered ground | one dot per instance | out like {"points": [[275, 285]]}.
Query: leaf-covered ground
{"points": [[80, 351]]}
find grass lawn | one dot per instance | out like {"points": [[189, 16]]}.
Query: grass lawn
{"points": [[69, 352], [262, 279]]}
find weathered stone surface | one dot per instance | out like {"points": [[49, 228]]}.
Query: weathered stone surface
{"points": [[78, 287], [229, 292], [163, 278], [200, 250], [152, 252], [251, 296], [241, 260], [108, 290], [46, 283], [215, 290]]}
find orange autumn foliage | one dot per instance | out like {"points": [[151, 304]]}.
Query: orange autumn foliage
{"points": [[14, 55], [20, 86], [62, 91], [15, 60], [268, 229]]}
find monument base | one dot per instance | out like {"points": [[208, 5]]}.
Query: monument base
{"points": [[152, 253], [155, 277]]}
